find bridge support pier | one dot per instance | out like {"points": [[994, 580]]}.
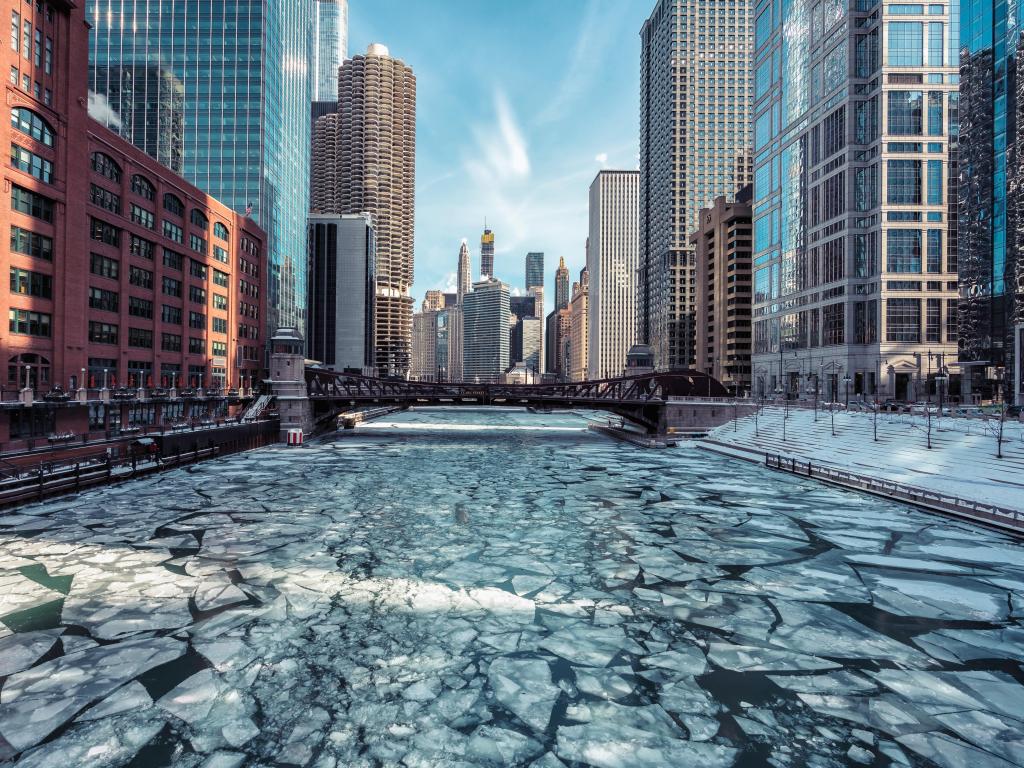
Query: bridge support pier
{"points": [[288, 381]]}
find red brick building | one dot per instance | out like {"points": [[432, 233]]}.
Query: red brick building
{"points": [[121, 273]]}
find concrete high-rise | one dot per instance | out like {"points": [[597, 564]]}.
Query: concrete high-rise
{"points": [[463, 277], [485, 338], [855, 275], [218, 92], [722, 247], [330, 46], [373, 138], [342, 280], [534, 271], [561, 285], [486, 254], [694, 147], [433, 301], [991, 202], [612, 251], [579, 332]]}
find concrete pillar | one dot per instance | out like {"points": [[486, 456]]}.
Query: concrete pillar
{"points": [[288, 381]]}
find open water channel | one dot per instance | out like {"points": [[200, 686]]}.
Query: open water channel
{"points": [[497, 588]]}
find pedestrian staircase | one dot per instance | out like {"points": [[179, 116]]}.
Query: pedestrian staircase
{"points": [[256, 409]]}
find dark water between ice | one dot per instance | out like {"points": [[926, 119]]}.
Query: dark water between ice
{"points": [[497, 588]]}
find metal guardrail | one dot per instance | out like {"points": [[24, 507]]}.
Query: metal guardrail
{"points": [[990, 513]]}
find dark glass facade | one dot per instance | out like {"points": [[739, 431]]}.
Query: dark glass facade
{"points": [[218, 91], [990, 237]]}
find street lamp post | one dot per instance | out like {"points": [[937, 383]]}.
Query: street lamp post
{"points": [[941, 380], [846, 382], [785, 412]]}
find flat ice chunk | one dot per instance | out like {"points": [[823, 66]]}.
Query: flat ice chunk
{"points": [[686, 660], [500, 746], [524, 687], [20, 651], [131, 697], [193, 698], [605, 683], [748, 658], [504, 604], [222, 759], [841, 682], [610, 745], [218, 592], [948, 752], [588, 645]]}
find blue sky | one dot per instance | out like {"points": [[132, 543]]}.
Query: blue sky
{"points": [[519, 104]]}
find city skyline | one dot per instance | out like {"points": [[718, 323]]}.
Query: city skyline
{"points": [[491, 137]]}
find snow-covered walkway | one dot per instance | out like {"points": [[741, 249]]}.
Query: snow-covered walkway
{"points": [[962, 461]]}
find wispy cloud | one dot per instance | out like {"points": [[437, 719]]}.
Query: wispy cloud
{"points": [[601, 158], [501, 153]]}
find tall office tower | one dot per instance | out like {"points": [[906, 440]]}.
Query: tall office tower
{"points": [[532, 356], [433, 301], [612, 251], [520, 307], [323, 180], [464, 279], [556, 343], [342, 280], [991, 202], [449, 343], [854, 259], [722, 248], [240, 72], [694, 126], [579, 331], [376, 150], [423, 365], [534, 271], [485, 334], [561, 285], [330, 46], [486, 254]]}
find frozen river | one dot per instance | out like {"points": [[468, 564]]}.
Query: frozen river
{"points": [[494, 588]]}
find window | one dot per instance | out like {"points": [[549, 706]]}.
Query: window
{"points": [[141, 216], [172, 287], [173, 259], [934, 250], [220, 325], [220, 302], [99, 298], [143, 278], [32, 204], [935, 43], [221, 232], [903, 251], [32, 422], [903, 320], [31, 163], [173, 232], [173, 204], [138, 307], [933, 320], [17, 371], [104, 233], [104, 266], [197, 269], [140, 337], [196, 346], [196, 320], [49, 56], [15, 31], [197, 243], [198, 218], [952, 316], [104, 198], [934, 182], [170, 342], [219, 348], [906, 10], [31, 283], [104, 165], [27, 323], [142, 187], [220, 254], [31, 243], [142, 248], [220, 278], [37, 53], [31, 124], [196, 294], [904, 182], [905, 108], [171, 315], [833, 323], [935, 115], [906, 43], [102, 333]]}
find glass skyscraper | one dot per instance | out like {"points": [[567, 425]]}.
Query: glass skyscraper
{"points": [[855, 126], [220, 92], [694, 147], [534, 270], [330, 46], [991, 236]]}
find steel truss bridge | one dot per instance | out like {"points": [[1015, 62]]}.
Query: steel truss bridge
{"points": [[639, 399]]}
